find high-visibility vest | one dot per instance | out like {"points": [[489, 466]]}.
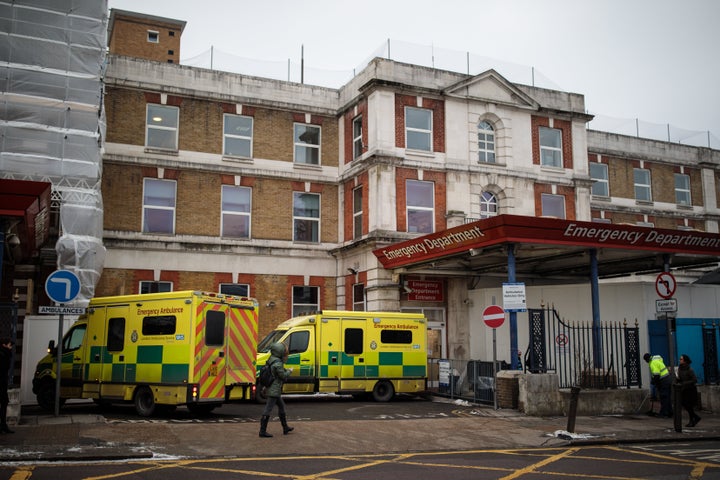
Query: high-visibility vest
{"points": [[657, 367]]}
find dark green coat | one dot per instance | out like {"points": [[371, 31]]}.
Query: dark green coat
{"points": [[280, 373]]}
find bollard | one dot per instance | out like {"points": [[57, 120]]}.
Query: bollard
{"points": [[574, 394], [677, 406]]}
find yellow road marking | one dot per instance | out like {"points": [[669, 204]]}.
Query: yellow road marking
{"points": [[22, 473]]}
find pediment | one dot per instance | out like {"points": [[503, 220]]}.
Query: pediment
{"points": [[491, 87]]}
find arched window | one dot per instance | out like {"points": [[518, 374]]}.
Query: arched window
{"points": [[488, 205], [486, 142]]}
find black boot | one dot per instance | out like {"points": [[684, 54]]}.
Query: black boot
{"points": [[286, 428], [263, 426]]}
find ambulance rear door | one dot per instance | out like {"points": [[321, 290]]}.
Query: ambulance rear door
{"points": [[210, 339]]}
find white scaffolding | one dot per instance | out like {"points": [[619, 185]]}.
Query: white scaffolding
{"points": [[52, 125]]}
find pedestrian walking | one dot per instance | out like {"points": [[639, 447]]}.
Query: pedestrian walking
{"points": [[5, 357], [279, 353], [660, 377], [688, 389]]}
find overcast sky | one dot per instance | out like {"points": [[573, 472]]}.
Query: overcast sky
{"points": [[652, 60]]}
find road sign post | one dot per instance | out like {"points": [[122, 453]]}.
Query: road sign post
{"points": [[61, 286], [494, 317]]}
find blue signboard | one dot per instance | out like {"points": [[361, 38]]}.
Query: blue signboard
{"points": [[62, 286]]}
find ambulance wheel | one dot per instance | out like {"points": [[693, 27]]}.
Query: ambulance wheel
{"points": [[46, 396], [145, 402], [383, 391]]}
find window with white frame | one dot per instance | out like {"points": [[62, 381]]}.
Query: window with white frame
{"points": [[643, 192], [358, 300], [486, 143], [237, 135], [488, 205], [153, 36], [418, 129], [307, 144], [553, 205], [682, 189], [551, 147], [306, 217], [161, 126], [236, 207], [155, 287], [235, 289], [305, 300], [357, 213], [159, 206], [357, 137], [420, 206], [599, 176]]}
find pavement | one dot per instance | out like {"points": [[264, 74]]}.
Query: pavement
{"points": [[90, 437]]}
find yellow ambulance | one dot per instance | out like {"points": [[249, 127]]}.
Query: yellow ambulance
{"points": [[357, 353], [158, 351]]}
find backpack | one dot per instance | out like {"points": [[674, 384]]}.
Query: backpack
{"points": [[265, 376]]}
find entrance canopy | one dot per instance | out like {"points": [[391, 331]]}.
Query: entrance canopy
{"points": [[549, 250]]}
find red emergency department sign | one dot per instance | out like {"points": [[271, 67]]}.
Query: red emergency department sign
{"points": [[494, 316]]}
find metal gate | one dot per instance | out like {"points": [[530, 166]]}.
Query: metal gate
{"points": [[710, 366], [582, 354]]}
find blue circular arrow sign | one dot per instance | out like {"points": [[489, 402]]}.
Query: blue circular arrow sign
{"points": [[62, 286]]}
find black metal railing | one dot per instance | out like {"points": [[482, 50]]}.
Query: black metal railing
{"points": [[581, 353]]}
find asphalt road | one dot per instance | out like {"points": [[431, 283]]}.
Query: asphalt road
{"points": [[699, 461]]}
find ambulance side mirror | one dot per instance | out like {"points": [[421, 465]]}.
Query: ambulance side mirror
{"points": [[51, 346]]}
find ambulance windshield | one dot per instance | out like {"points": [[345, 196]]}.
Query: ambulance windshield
{"points": [[265, 343]]}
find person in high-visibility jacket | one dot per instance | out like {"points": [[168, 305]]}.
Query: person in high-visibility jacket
{"points": [[661, 378]]}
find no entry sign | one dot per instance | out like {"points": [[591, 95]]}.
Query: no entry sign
{"points": [[494, 316]]}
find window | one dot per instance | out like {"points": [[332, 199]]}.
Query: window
{"points": [[235, 289], [396, 336], [418, 129], [488, 205], [305, 300], [153, 36], [357, 213], [155, 287], [357, 137], [307, 144], [306, 217], [161, 126], [116, 334], [214, 328], [682, 189], [599, 175], [353, 341], [420, 201], [553, 205], [551, 147], [158, 206], [74, 339], [298, 341], [236, 211], [486, 143], [642, 185], [237, 136], [358, 293], [159, 325]]}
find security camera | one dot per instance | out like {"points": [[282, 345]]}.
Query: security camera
{"points": [[407, 289]]}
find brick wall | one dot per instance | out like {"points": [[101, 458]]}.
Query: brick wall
{"points": [[130, 38]]}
